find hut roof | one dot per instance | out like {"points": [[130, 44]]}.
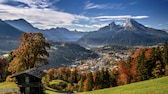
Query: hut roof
{"points": [[33, 71]]}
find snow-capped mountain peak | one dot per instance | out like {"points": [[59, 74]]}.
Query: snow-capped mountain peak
{"points": [[132, 24], [128, 23], [113, 26]]}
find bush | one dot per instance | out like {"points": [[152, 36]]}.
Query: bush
{"points": [[9, 79]]}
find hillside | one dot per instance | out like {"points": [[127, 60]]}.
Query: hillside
{"points": [[154, 86], [131, 33], [62, 53]]}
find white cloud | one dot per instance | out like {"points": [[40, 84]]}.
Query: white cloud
{"points": [[1, 1], [139, 17], [95, 6], [85, 27], [117, 6], [36, 3], [160, 24], [122, 17], [47, 17], [82, 17]]}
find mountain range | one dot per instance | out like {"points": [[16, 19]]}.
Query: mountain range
{"points": [[56, 34], [130, 33]]}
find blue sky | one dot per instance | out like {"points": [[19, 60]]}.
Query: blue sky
{"points": [[85, 15]]}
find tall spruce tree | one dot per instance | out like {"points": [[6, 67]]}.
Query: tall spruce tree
{"points": [[159, 68], [81, 84], [98, 81], [106, 78], [142, 69], [165, 54], [90, 82], [152, 61], [165, 57]]}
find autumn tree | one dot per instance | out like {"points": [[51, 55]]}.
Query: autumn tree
{"points": [[74, 75], [31, 53], [128, 65], [98, 80], [158, 70], [123, 73], [88, 83]]}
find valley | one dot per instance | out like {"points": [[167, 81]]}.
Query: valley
{"points": [[99, 48], [83, 46], [84, 61], [108, 58]]}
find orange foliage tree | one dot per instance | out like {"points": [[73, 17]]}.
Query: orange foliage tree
{"points": [[88, 83], [123, 73], [31, 53]]}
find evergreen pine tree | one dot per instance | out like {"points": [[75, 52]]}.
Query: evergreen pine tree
{"points": [[142, 70], [81, 84], [159, 66], [90, 82], [98, 81], [106, 77], [165, 54]]}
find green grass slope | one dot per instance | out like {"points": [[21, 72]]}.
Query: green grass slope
{"points": [[154, 86], [8, 85]]}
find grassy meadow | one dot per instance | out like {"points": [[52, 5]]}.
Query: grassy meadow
{"points": [[154, 86], [8, 85]]}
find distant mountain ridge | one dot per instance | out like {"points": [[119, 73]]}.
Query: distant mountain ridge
{"points": [[7, 32], [63, 34], [22, 25], [131, 33], [56, 34]]}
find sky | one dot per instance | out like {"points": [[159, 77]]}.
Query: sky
{"points": [[85, 15]]}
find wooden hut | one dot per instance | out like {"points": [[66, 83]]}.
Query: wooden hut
{"points": [[29, 81]]}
